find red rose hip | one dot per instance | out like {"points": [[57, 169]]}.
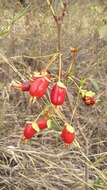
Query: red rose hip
{"points": [[42, 123], [39, 87], [89, 100], [68, 134], [30, 130], [58, 93], [88, 97], [24, 86]]}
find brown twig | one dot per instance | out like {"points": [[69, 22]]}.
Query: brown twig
{"points": [[58, 20]]}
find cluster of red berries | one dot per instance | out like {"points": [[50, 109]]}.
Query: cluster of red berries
{"points": [[37, 87], [31, 128]]}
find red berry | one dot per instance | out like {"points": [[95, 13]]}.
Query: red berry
{"points": [[68, 134], [88, 97], [24, 86], [89, 100], [39, 87], [42, 123], [29, 131], [58, 94]]}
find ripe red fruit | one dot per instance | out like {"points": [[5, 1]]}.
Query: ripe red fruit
{"points": [[30, 130], [68, 134], [58, 94], [89, 100], [24, 86], [39, 86], [42, 123]]}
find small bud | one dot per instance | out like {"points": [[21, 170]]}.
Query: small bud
{"points": [[73, 50]]}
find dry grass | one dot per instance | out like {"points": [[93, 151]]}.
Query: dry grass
{"points": [[45, 163]]}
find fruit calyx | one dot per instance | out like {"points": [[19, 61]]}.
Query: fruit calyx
{"points": [[61, 85], [46, 77], [41, 74], [35, 126], [86, 93], [69, 128]]}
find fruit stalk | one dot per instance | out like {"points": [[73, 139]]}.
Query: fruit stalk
{"points": [[73, 61], [50, 62]]}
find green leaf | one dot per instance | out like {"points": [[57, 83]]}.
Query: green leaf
{"points": [[95, 84], [82, 82], [52, 125], [103, 32], [98, 183], [104, 19], [4, 30], [20, 14], [96, 9]]}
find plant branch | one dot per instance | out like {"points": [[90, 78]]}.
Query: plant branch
{"points": [[58, 20], [60, 66], [52, 10]]}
